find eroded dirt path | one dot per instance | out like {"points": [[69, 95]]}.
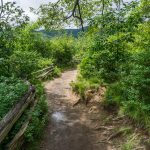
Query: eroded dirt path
{"points": [[90, 127], [69, 128]]}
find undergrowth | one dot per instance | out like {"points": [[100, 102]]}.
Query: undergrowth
{"points": [[11, 91], [81, 85]]}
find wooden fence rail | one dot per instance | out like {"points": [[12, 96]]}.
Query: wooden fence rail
{"points": [[43, 70], [28, 101], [45, 74], [15, 113], [18, 140]]}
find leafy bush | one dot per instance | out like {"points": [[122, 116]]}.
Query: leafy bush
{"points": [[39, 119], [23, 63], [105, 58], [63, 50], [39, 115], [11, 90], [132, 91], [42, 45], [23, 51], [44, 62]]}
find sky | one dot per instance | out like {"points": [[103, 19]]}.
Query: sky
{"points": [[26, 4]]}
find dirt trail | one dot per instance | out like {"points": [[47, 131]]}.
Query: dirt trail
{"points": [[69, 128], [83, 127]]}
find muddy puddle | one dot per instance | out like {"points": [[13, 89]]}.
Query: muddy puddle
{"points": [[58, 117]]}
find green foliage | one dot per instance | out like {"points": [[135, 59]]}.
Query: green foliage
{"points": [[63, 50], [119, 56], [109, 50], [114, 51], [12, 18], [131, 143], [82, 85], [39, 115], [70, 12], [132, 91], [32, 52], [11, 90], [23, 52], [39, 119], [83, 43], [105, 58], [23, 63]]}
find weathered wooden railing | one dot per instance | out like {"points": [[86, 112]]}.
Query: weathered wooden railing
{"points": [[12, 117], [28, 101], [44, 73]]}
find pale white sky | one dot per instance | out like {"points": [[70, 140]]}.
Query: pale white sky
{"points": [[25, 4]]}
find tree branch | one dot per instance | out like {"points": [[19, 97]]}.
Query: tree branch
{"points": [[80, 17], [76, 6], [55, 4], [1, 8], [103, 7]]}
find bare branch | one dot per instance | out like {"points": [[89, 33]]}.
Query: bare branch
{"points": [[68, 17], [73, 11], [55, 4], [1, 8], [103, 8], [81, 20], [76, 6]]}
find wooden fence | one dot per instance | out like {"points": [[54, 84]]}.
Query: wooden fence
{"points": [[14, 114], [44, 73], [28, 101]]}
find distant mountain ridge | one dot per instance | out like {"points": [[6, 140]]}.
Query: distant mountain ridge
{"points": [[53, 33]]}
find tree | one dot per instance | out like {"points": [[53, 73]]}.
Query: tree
{"points": [[12, 17], [66, 12]]}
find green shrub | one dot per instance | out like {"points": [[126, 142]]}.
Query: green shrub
{"points": [[105, 58], [11, 91], [132, 91], [63, 50], [81, 85], [39, 119], [23, 63], [39, 116], [42, 46], [44, 62]]}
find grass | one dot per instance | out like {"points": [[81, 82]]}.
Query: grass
{"points": [[132, 142], [81, 85]]}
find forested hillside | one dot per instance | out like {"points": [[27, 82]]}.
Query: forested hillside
{"points": [[51, 34], [113, 54]]}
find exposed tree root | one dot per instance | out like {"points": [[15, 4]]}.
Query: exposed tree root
{"points": [[76, 103], [105, 141], [139, 148], [114, 135], [104, 128], [118, 118]]}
